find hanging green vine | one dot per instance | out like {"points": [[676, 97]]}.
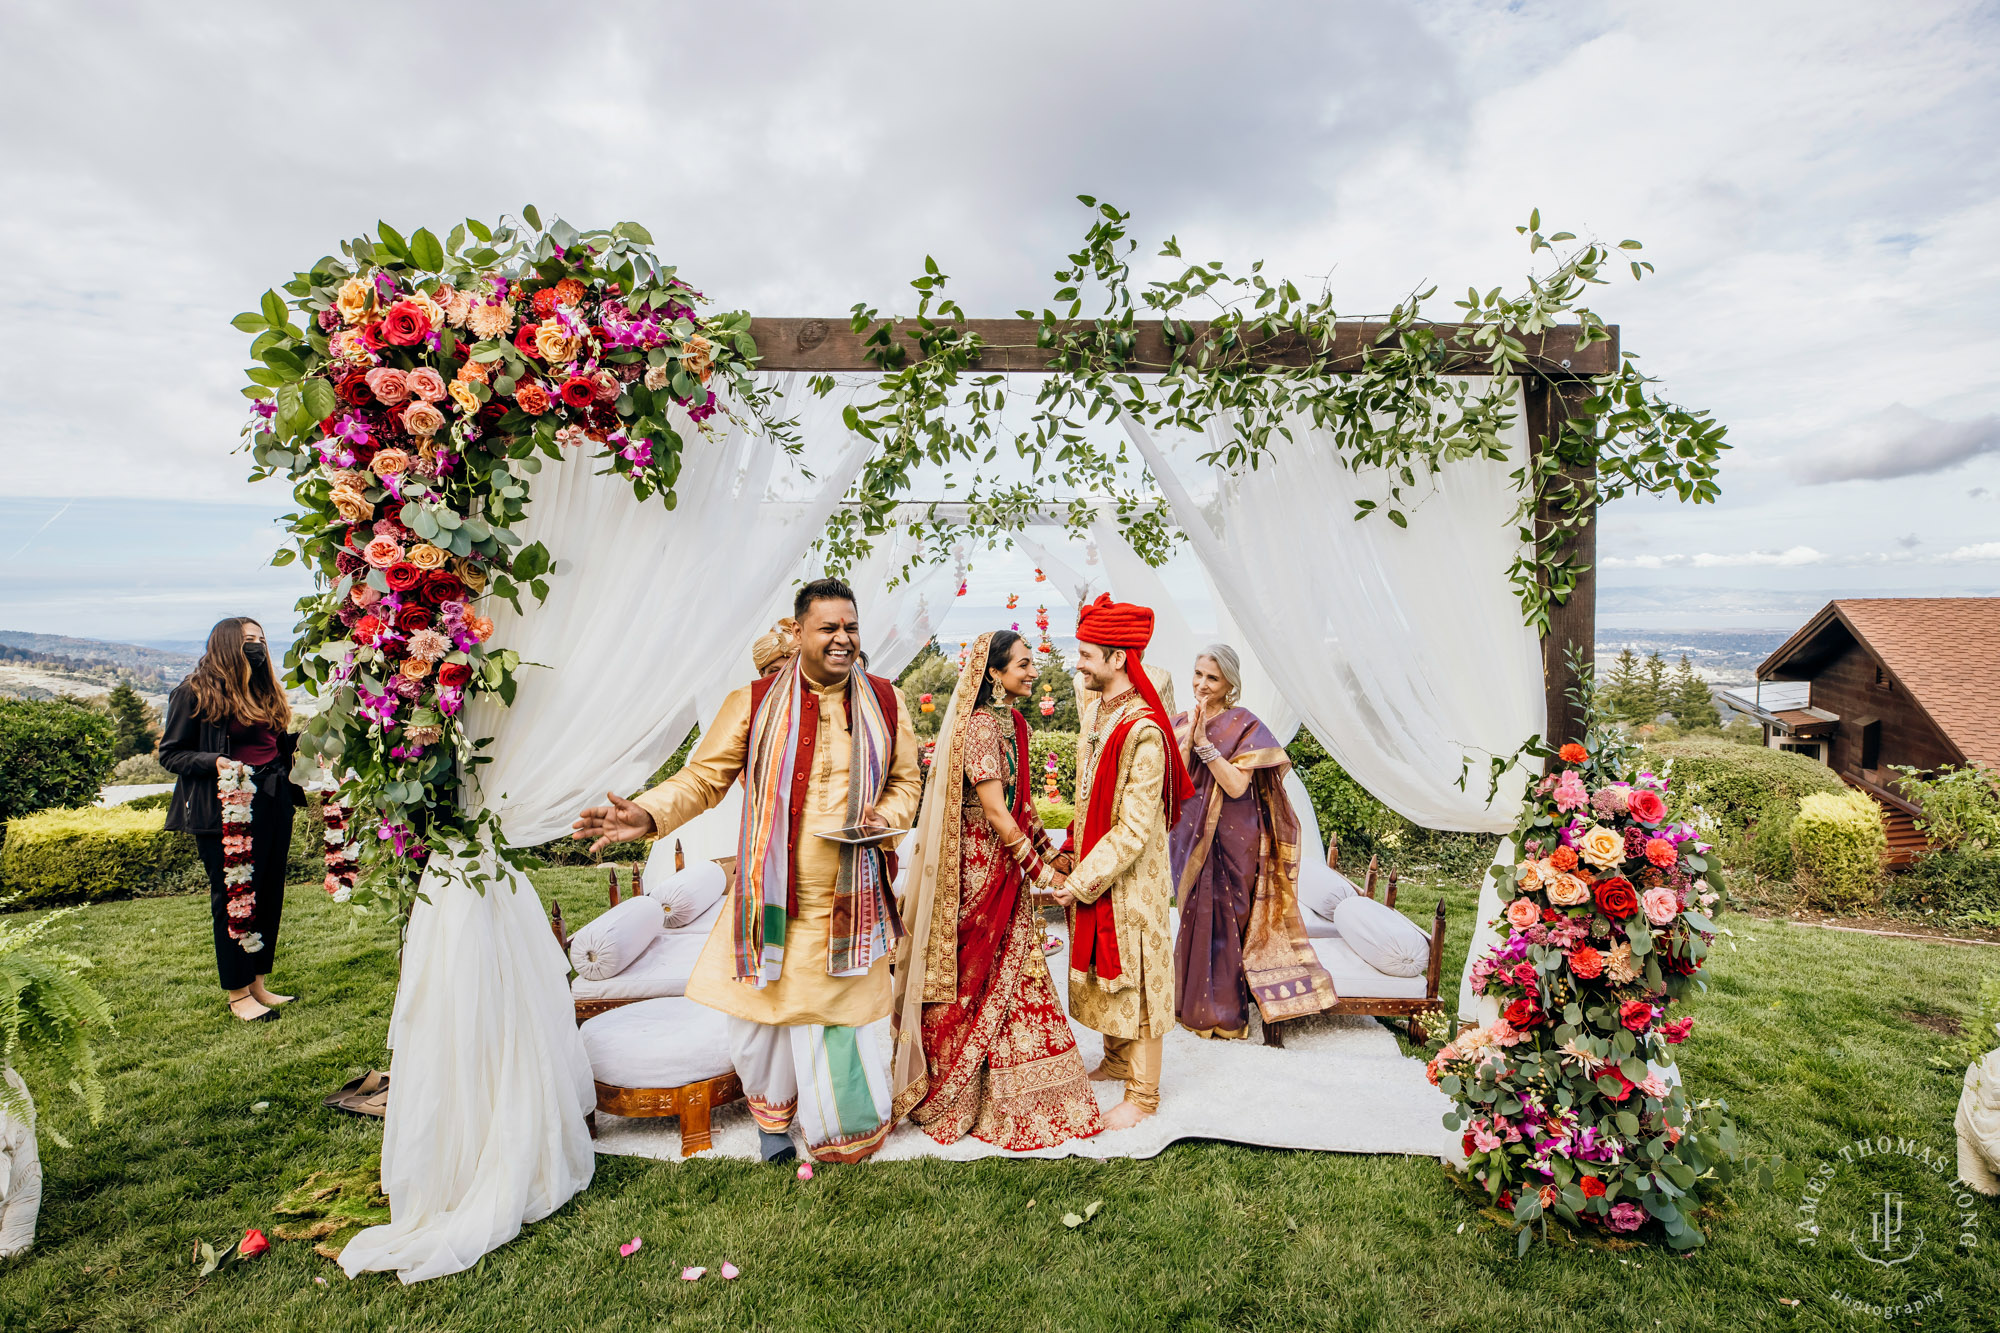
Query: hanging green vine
{"points": [[1402, 403]]}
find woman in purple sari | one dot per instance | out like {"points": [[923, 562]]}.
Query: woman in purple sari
{"points": [[1235, 855]]}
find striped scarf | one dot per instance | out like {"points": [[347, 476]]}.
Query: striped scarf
{"points": [[863, 928]]}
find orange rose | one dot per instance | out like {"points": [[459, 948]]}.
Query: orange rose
{"points": [[352, 507], [476, 370], [415, 668], [390, 462], [531, 398], [425, 556], [698, 357]]}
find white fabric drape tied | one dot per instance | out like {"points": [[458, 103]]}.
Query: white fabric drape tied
{"points": [[1403, 649], [485, 1129]]}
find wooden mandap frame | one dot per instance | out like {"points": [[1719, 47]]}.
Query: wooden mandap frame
{"points": [[1558, 382]]}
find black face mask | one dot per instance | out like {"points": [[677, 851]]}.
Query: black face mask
{"points": [[258, 655]]}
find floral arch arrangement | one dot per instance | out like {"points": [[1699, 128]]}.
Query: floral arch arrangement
{"points": [[409, 390]]}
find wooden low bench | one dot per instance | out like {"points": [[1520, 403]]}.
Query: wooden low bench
{"points": [[1412, 1011]]}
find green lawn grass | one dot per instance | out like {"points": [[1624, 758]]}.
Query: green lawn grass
{"points": [[1812, 1036]]}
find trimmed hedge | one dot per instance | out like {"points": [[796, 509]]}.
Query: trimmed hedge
{"points": [[1951, 881], [54, 754], [1737, 785], [1838, 848], [1061, 744], [90, 855]]}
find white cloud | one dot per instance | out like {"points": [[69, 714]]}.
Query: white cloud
{"points": [[1799, 556], [1896, 442]]}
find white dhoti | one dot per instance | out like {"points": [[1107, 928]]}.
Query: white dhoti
{"points": [[833, 1080]]}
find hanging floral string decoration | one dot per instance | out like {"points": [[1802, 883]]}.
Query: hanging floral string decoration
{"points": [[235, 787]]}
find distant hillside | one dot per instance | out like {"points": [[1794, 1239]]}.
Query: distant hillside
{"points": [[88, 663]]}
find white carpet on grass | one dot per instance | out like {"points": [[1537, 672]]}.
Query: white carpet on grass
{"points": [[1339, 1085]]}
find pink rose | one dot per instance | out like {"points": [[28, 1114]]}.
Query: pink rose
{"points": [[1523, 913], [389, 386], [383, 552], [1646, 806], [1661, 906], [426, 384], [1627, 1216]]}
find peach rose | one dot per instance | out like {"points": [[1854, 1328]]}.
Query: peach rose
{"points": [[346, 345], [1523, 913], [490, 319], [426, 384], [391, 462], [416, 668], [1568, 891], [462, 394], [356, 295], [469, 574], [698, 357], [554, 343], [382, 552], [363, 595], [421, 418], [1533, 875], [1601, 847], [425, 556], [389, 385], [351, 507], [475, 372], [607, 386]]}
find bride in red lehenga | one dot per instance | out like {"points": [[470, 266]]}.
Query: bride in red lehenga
{"points": [[982, 1046]]}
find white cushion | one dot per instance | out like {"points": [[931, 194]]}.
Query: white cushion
{"points": [[688, 894], [1317, 926], [1383, 938], [614, 941], [662, 970], [1355, 980], [1322, 888], [663, 1043]]}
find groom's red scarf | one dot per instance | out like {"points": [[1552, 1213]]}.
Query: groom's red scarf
{"points": [[1109, 624]]}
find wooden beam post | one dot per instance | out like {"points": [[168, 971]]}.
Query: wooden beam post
{"points": [[1573, 623]]}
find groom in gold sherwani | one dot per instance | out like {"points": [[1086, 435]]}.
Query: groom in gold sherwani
{"points": [[1131, 781]]}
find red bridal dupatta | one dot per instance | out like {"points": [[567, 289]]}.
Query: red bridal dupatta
{"points": [[982, 1045]]}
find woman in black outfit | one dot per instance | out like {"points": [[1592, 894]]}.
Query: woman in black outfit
{"points": [[231, 708]]}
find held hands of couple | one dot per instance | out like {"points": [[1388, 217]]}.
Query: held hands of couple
{"points": [[621, 821]]}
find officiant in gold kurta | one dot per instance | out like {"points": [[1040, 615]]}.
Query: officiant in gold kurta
{"points": [[1131, 781]]}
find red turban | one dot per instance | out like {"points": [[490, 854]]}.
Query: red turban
{"points": [[1110, 624]]}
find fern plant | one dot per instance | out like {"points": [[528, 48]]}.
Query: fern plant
{"points": [[47, 1006]]}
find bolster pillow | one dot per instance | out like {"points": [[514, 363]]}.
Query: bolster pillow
{"points": [[1383, 938], [611, 943], [687, 894]]}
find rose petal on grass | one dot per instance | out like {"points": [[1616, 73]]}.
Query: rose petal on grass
{"points": [[630, 1248], [805, 1171], [730, 1271], [692, 1274]]}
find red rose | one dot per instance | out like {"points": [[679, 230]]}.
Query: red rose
{"points": [[413, 617], [1635, 1014], [492, 409], [524, 339], [360, 535], [1572, 753], [405, 324], [354, 391], [1465, 1145], [1625, 1085], [252, 1244], [403, 576], [1646, 806], [392, 510], [1615, 898], [1592, 1187], [578, 392], [440, 588], [1522, 1014], [454, 674], [367, 629]]}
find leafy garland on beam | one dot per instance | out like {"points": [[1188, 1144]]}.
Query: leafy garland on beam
{"points": [[1400, 403], [409, 389]]}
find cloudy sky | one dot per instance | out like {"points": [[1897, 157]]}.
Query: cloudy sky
{"points": [[1815, 182]]}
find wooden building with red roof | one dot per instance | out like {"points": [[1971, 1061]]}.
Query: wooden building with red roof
{"points": [[1892, 682]]}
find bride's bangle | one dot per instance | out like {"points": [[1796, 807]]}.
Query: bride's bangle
{"points": [[1208, 754]]}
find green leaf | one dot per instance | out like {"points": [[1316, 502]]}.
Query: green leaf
{"points": [[479, 229], [425, 250], [251, 322], [276, 313], [320, 399], [392, 240], [531, 216]]}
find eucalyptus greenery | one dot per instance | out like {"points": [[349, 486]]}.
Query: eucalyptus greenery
{"points": [[1404, 404]]}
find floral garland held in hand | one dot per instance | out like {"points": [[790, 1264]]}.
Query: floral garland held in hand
{"points": [[1563, 1101], [237, 789], [409, 390]]}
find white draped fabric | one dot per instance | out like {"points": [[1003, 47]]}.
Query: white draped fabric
{"points": [[1403, 649], [485, 1129]]}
